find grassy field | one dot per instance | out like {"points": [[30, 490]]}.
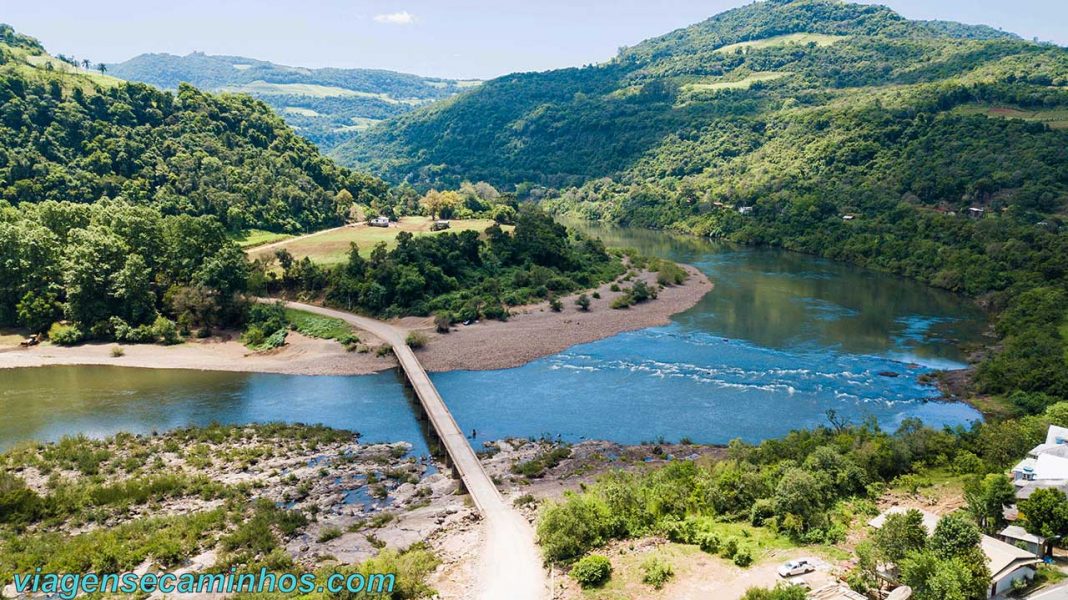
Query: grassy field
{"points": [[36, 67], [318, 326], [781, 40], [741, 84], [332, 247], [713, 574], [1056, 118], [313, 90], [250, 238]]}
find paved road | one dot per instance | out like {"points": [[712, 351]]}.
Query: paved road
{"points": [[1059, 592], [509, 563]]}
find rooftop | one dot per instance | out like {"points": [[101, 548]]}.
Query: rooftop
{"points": [[1004, 558]]}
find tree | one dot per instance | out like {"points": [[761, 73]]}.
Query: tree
{"points": [[440, 204], [798, 500], [132, 289], [101, 67], [934, 578], [93, 259], [901, 535], [343, 202], [987, 499], [38, 310], [955, 535], [1046, 512]]}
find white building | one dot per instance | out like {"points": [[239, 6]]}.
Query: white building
{"points": [[1007, 562]]}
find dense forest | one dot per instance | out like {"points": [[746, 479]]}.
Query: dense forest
{"points": [[696, 85], [457, 277], [327, 106], [928, 149], [63, 137]]}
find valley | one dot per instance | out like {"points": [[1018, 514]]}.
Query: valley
{"points": [[767, 307]]}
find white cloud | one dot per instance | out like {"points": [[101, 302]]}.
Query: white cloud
{"points": [[398, 18]]}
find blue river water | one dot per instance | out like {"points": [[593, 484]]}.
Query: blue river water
{"points": [[781, 339]]}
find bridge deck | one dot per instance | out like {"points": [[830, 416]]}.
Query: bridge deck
{"points": [[510, 564]]}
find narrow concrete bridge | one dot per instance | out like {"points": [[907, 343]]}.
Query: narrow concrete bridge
{"points": [[510, 565]]}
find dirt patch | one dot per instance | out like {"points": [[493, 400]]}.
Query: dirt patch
{"points": [[536, 331], [301, 355]]}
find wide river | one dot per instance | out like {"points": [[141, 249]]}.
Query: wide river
{"points": [[782, 339]]}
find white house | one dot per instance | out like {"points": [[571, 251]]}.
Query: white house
{"points": [[1007, 562], [1056, 443]]}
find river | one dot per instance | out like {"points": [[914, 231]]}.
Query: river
{"points": [[782, 339]]}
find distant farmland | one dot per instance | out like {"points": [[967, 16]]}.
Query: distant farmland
{"points": [[331, 247]]}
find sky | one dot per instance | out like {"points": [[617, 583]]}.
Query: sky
{"points": [[442, 38]]}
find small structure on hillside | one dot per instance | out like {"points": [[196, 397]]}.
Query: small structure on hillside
{"points": [[1007, 562], [379, 222], [439, 225], [1035, 544], [745, 210], [974, 212]]}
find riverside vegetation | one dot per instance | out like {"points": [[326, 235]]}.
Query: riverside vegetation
{"points": [[871, 117], [82, 505], [843, 130], [118, 207]]}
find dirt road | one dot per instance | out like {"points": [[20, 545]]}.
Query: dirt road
{"points": [[510, 565]]}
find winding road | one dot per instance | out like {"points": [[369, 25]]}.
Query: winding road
{"points": [[510, 565]]}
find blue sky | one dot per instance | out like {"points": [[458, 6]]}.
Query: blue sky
{"points": [[448, 38]]}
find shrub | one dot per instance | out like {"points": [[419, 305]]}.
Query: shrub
{"points": [[329, 533], [165, 331], [669, 273], [730, 548], [19, 504], [442, 321], [592, 571], [708, 542], [656, 572], [65, 335], [640, 292], [383, 350], [416, 340], [583, 302], [117, 351], [555, 304], [743, 557], [597, 295], [569, 528], [621, 302]]}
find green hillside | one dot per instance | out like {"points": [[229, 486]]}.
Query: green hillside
{"points": [[565, 127], [929, 149], [69, 135], [327, 106]]}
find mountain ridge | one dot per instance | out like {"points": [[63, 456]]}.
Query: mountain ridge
{"points": [[505, 124], [325, 104]]}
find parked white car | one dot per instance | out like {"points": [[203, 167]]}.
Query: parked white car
{"points": [[798, 566]]}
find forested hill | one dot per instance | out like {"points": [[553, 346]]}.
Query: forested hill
{"points": [[714, 93], [326, 106], [68, 134]]}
